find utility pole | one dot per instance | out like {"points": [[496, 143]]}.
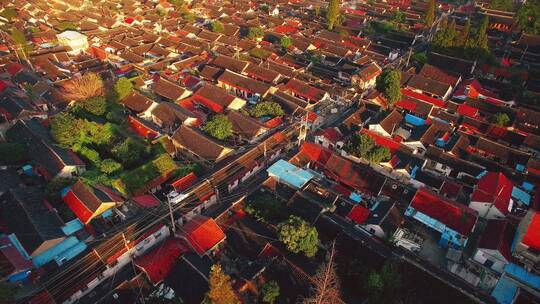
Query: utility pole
{"points": [[173, 224], [303, 130]]}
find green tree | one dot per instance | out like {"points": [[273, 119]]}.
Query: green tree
{"points": [[95, 105], [332, 13], [122, 88], [360, 145], [110, 166], [429, 18], [440, 35], [462, 40], [65, 129], [299, 236], [266, 108], [500, 119], [452, 35], [12, 153], [221, 291], [399, 17], [255, 32], [7, 293], [502, 5], [53, 188], [265, 208], [389, 83], [219, 127], [66, 25], [528, 17], [217, 27], [378, 155], [270, 292], [22, 45], [9, 13], [189, 17], [383, 286], [285, 42], [481, 34], [420, 58], [130, 152]]}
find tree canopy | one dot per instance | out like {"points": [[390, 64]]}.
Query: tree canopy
{"points": [[384, 285], [84, 87], [500, 119], [528, 17], [502, 5], [266, 108], [429, 18], [389, 83], [266, 208], [95, 105], [255, 32], [299, 236], [122, 88], [363, 146], [9, 13], [332, 13], [217, 27], [285, 42], [12, 153], [219, 127], [221, 291], [270, 292]]}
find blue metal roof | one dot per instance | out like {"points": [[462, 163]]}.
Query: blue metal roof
{"points": [[505, 291], [72, 226], [289, 173], [521, 195], [523, 275], [355, 197], [414, 120], [527, 186]]}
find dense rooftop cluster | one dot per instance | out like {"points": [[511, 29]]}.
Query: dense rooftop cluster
{"points": [[269, 151]]}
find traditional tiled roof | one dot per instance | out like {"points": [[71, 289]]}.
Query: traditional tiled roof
{"points": [[498, 235], [454, 215], [203, 234]]}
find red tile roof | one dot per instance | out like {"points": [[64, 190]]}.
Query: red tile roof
{"points": [[454, 215], [414, 95], [203, 234], [380, 140], [498, 235], [359, 214], [158, 263], [494, 188], [300, 88], [467, 110], [532, 236], [146, 201], [185, 182]]}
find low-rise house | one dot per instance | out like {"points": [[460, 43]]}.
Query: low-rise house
{"points": [[526, 246], [169, 90], [453, 220], [90, 202], [244, 87], [329, 138], [76, 41], [229, 63], [35, 229], [304, 91], [367, 77], [51, 161], [139, 104], [430, 87], [492, 197], [202, 234], [494, 249], [169, 116], [217, 99], [246, 127], [191, 141]]}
